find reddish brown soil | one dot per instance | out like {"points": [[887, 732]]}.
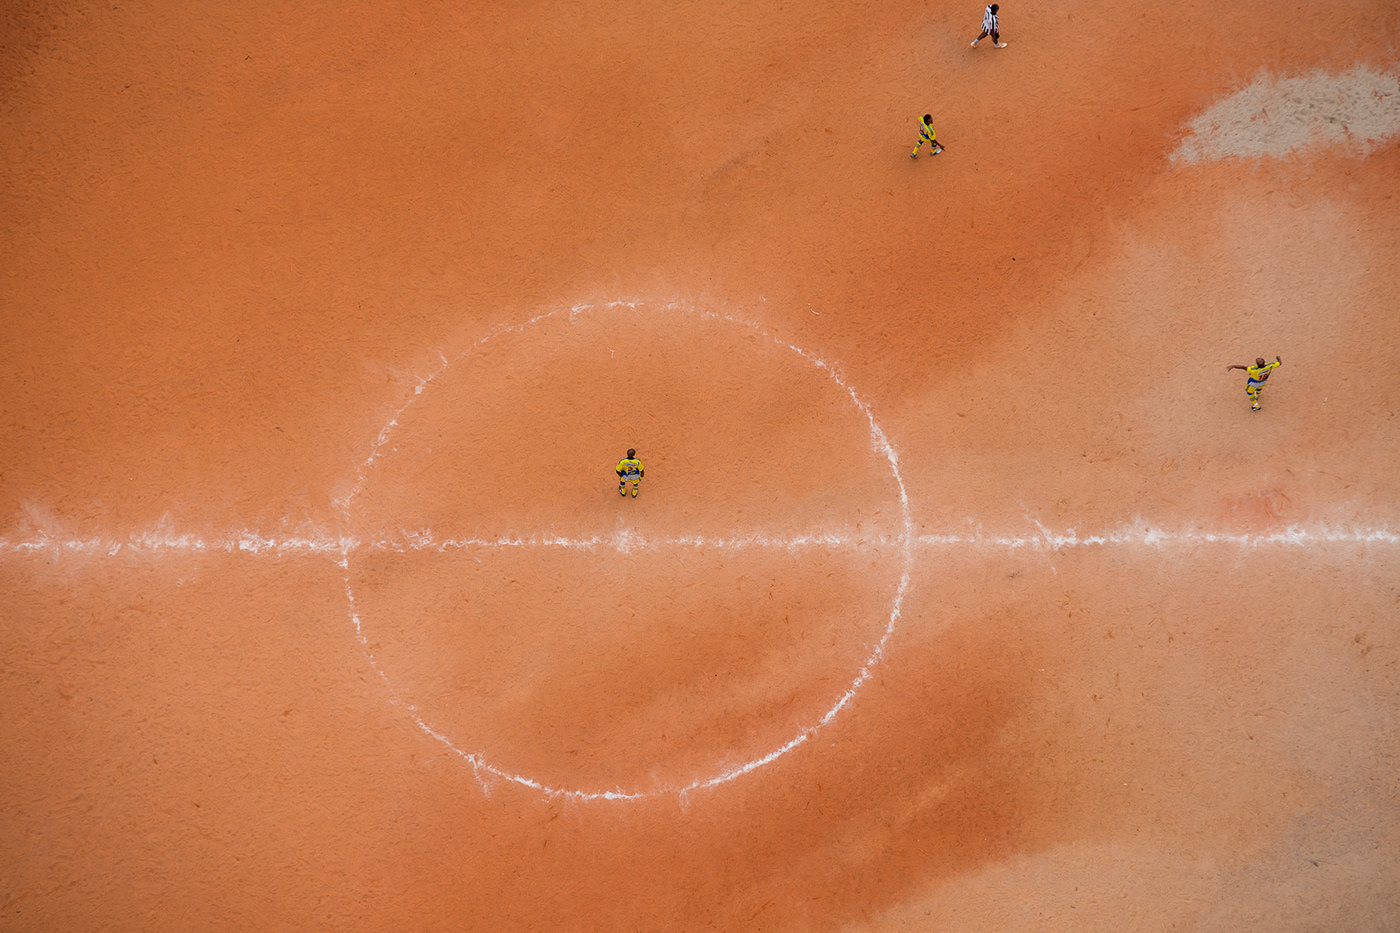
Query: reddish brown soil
{"points": [[238, 239]]}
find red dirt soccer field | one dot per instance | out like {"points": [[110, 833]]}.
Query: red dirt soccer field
{"points": [[964, 591]]}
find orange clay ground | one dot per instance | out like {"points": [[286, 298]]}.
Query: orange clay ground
{"points": [[322, 331]]}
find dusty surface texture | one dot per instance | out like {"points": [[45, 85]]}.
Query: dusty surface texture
{"points": [[320, 332], [1278, 117]]}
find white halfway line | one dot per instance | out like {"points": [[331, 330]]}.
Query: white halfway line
{"points": [[487, 773], [163, 540], [627, 541]]}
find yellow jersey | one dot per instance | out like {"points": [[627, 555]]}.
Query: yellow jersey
{"points": [[1258, 375], [629, 467]]}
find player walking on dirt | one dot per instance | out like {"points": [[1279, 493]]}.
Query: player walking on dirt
{"points": [[990, 27], [629, 474], [1258, 375], [927, 135]]}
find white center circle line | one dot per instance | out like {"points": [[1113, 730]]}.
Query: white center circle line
{"points": [[488, 774]]}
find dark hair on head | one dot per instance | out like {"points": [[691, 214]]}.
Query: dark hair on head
{"points": [[928, 118], [1258, 361], [631, 453], [995, 8]]}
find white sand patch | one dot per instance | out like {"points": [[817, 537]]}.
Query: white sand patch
{"points": [[1272, 117]]}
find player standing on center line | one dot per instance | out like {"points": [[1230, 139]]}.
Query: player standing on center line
{"points": [[927, 135], [1258, 375], [990, 26], [629, 474]]}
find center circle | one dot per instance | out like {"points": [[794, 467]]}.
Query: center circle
{"points": [[560, 636]]}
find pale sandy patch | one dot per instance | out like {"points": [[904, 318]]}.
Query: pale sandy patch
{"points": [[1273, 116]]}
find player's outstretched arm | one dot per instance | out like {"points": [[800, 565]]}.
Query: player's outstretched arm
{"points": [[1237, 366]]}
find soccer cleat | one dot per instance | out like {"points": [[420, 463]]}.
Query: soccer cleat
{"points": [[974, 42], [1000, 45], [913, 155]]}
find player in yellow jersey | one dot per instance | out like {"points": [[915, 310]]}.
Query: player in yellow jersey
{"points": [[1258, 375], [927, 135], [629, 474]]}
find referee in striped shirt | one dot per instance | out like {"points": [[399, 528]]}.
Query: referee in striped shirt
{"points": [[989, 27]]}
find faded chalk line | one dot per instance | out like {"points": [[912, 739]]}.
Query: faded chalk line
{"points": [[165, 539], [1139, 534], [487, 773]]}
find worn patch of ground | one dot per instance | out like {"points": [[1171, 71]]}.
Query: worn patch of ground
{"points": [[1274, 117]]}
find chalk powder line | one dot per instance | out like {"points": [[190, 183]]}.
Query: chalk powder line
{"points": [[341, 548], [1137, 533], [165, 539], [487, 773]]}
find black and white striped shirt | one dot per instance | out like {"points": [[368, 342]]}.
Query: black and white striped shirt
{"points": [[989, 21]]}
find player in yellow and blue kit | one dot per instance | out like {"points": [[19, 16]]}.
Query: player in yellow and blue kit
{"points": [[629, 474], [1258, 375], [927, 135]]}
